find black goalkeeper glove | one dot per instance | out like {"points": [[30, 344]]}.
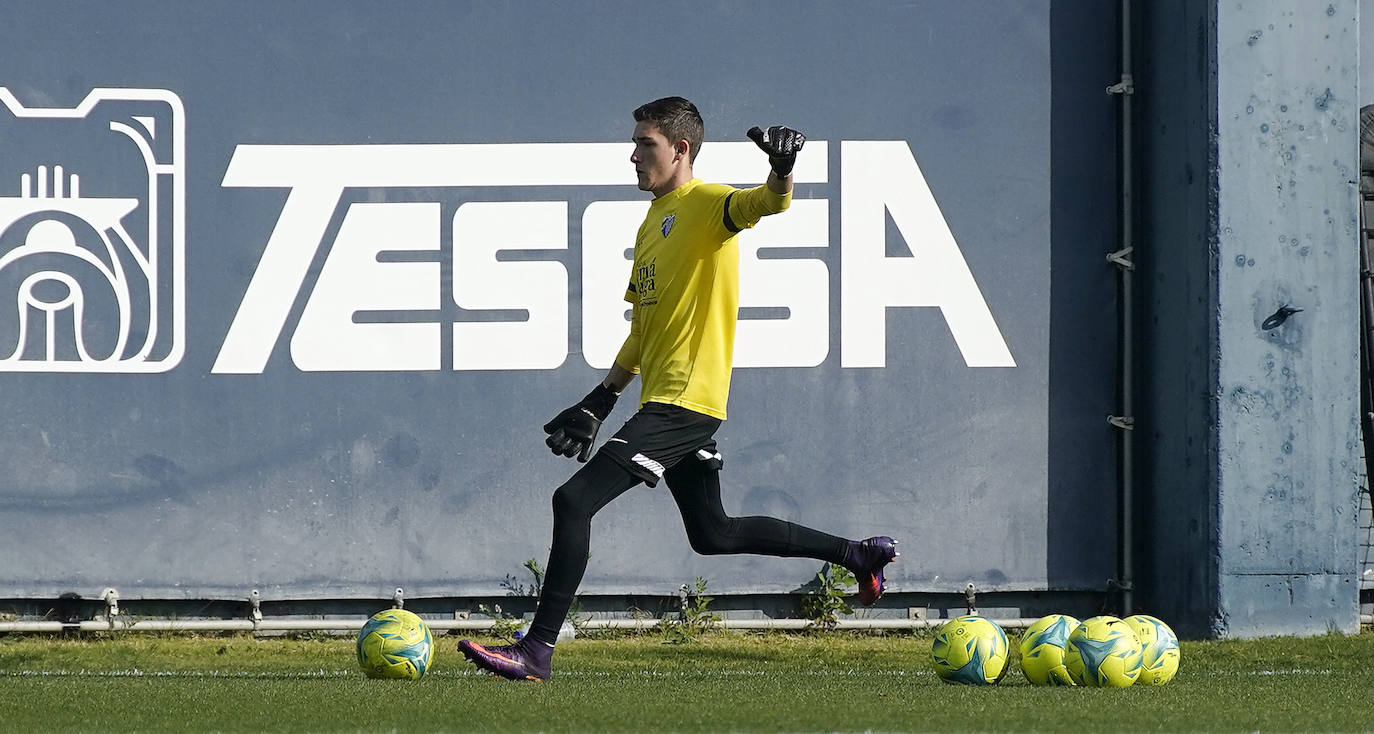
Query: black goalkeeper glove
{"points": [[781, 144], [573, 432]]}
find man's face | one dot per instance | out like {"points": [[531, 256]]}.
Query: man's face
{"points": [[654, 157]]}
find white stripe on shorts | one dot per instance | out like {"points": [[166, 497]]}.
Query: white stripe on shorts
{"points": [[649, 464]]}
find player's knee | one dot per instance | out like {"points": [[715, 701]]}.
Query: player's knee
{"points": [[706, 544], [710, 541], [566, 502]]}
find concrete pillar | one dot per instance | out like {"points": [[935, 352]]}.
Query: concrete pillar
{"points": [[1248, 514]]}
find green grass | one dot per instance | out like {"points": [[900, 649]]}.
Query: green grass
{"points": [[723, 682]]}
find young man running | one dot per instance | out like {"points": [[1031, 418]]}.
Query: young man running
{"points": [[684, 292]]}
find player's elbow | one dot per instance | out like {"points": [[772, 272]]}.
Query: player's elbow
{"points": [[778, 202]]}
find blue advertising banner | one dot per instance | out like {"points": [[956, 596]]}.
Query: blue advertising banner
{"points": [[287, 291]]}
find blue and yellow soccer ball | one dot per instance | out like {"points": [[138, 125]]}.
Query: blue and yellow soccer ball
{"points": [[1158, 649], [972, 650], [395, 644], [1103, 652], [1042, 650]]}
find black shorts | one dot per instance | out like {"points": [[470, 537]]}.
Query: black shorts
{"points": [[659, 436]]}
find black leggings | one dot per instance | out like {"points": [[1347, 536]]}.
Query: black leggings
{"points": [[696, 489]]}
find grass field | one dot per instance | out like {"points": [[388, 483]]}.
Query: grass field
{"points": [[721, 682]]}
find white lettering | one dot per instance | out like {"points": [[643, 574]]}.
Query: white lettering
{"points": [[262, 314], [802, 337], [317, 176], [327, 339], [480, 281], [335, 332], [879, 176], [608, 233]]}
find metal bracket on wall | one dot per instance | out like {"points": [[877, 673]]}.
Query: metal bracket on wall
{"points": [[1125, 588], [1125, 86], [1121, 259], [398, 599], [971, 598], [255, 601], [1124, 422]]}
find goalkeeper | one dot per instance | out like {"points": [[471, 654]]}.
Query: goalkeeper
{"points": [[684, 292]]}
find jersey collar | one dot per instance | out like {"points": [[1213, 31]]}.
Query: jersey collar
{"points": [[678, 192]]}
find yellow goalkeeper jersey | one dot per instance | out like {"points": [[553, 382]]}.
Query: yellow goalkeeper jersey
{"points": [[684, 287]]}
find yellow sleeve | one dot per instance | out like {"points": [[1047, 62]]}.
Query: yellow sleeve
{"points": [[628, 358], [745, 207]]}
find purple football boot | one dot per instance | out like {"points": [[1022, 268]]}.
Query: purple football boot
{"points": [[866, 558], [525, 660]]}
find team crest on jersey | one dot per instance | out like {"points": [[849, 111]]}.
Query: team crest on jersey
{"points": [[667, 225]]}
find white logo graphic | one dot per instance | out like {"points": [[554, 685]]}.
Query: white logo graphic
{"points": [[92, 239], [381, 302]]}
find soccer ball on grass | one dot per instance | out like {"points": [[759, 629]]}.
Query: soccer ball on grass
{"points": [[1042, 650], [395, 644], [1103, 652], [1158, 649], [972, 650]]}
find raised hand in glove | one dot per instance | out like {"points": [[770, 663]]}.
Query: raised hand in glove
{"points": [[573, 431], [781, 144]]}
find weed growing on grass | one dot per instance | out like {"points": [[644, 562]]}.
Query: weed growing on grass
{"points": [[827, 602], [694, 618], [503, 625], [514, 587], [575, 618]]}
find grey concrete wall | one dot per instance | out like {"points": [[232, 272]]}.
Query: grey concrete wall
{"points": [[1287, 112], [1249, 496], [1366, 53]]}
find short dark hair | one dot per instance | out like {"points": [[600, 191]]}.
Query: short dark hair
{"points": [[677, 119]]}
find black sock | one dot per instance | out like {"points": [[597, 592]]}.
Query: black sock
{"points": [[574, 504]]}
